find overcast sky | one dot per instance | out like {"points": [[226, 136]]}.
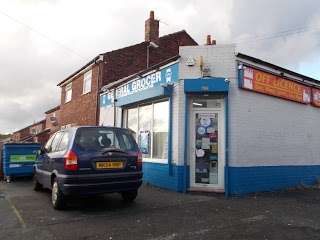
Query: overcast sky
{"points": [[44, 41]]}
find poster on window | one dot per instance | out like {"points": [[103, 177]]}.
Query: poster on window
{"points": [[144, 141]]}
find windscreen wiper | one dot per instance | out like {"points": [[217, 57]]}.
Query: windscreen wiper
{"points": [[113, 149]]}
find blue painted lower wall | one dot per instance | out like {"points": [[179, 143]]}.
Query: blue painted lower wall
{"points": [[157, 174], [244, 180]]}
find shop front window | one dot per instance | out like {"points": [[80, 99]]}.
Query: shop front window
{"points": [[149, 125], [133, 121], [160, 130], [145, 118]]}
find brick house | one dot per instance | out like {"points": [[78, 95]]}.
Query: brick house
{"points": [[53, 119], [36, 132], [79, 91]]}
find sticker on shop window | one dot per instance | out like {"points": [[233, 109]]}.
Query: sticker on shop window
{"points": [[144, 141], [201, 131], [205, 121]]}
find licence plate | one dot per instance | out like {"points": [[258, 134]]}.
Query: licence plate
{"points": [[100, 165]]}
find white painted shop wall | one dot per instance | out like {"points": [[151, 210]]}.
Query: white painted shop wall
{"points": [[178, 124], [107, 116], [270, 131], [263, 130], [220, 59]]}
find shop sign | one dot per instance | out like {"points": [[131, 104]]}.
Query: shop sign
{"points": [[259, 81], [164, 76], [315, 97]]}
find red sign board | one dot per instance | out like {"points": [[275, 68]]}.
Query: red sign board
{"points": [[270, 84], [315, 97]]}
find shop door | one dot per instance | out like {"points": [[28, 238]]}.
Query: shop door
{"points": [[207, 152]]}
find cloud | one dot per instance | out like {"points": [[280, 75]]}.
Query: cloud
{"points": [[43, 42]]}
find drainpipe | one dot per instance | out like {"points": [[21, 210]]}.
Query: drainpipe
{"points": [[170, 88], [100, 59], [185, 145], [114, 107], [227, 149]]}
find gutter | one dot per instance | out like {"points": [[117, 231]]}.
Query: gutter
{"points": [[93, 61]]}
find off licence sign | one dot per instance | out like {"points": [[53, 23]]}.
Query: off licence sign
{"points": [[101, 165], [270, 84]]}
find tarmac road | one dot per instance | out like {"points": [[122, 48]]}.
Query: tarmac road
{"points": [[159, 214]]}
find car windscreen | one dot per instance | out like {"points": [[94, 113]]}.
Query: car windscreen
{"points": [[93, 139]]}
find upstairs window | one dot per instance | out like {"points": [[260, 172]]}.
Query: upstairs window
{"points": [[87, 82], [68, 92]]}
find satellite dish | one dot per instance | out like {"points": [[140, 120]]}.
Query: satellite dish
{"points": [[54, 123], [53, 118]]}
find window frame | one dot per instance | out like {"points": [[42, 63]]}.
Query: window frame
{"points": [[68, 89], [137, 136], [87, 77]]}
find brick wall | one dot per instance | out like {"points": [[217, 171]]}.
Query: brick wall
{"points": [[49, 125], [81, 109], [130, 60], [178, 126]]}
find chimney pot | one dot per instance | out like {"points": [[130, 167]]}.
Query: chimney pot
{"points": [[208, 40], [214, 42], [151, 14]]}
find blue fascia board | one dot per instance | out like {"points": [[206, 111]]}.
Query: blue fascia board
{"points": [[206, 85], [152, 93]]}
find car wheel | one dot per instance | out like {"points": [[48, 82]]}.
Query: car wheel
{"points": [[129, 196], [36, 185], [58, 199]]}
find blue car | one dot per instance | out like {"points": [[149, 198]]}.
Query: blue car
{"points": [[89, 160]]}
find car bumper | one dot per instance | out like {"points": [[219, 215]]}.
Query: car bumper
{"points": [[99, 183]]}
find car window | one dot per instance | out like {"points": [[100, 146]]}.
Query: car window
{"points": [[93, 139], [127, 142], [64, 142], [48, 144], [56, 141]]}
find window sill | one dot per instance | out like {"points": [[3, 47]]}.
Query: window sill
{"points": [[85, 93], [155, 160]]}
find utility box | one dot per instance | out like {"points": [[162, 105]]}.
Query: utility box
{"points": [[19, 159]]}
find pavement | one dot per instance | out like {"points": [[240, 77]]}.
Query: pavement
{"points": [[159, 214]]}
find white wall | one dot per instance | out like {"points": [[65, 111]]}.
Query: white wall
{"points": [[263, 130], [106, 116], [178, 124]]}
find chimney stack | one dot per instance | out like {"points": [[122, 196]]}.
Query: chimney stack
{"points": [[214, 42], [208, 40], [152, 29]]}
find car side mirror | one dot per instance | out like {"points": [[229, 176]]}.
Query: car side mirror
{"points": [[43, 151], [37, 152], [40, 152]]}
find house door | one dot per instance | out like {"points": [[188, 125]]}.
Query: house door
{"points": [[207, 153]]}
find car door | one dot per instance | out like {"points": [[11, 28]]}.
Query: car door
{"points": [[49, 159], [42, 158]]}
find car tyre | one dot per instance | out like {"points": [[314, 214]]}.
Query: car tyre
{"points": [[58, 199], [36, 185], [129, 196]]}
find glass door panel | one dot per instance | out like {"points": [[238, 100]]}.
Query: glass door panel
{"points": [[206, 148]]}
